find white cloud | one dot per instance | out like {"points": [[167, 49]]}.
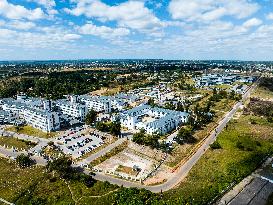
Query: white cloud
{"points": [[45, 3], [131, 14], [21, 25], [12, 11], [103, 31], [42, 38], [71, 37], [252, 22], [208, 10], [48, 4], [270, 16]]}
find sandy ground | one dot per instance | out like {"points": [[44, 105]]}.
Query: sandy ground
{"points": [[128, 158], [159, 177]]}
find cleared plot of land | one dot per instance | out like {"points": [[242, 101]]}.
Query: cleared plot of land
{"points": [[243, 149], [127, 170], [28, 130], [16, 143], [110, 154], [35, 186], [124, 163]]}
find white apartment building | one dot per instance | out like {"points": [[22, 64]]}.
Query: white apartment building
{"points": [[73, 108], [98, 104], [153, 120], [7, 116], [42, 119]]}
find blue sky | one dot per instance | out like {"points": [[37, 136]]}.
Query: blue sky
{"points": [[169, 29]]}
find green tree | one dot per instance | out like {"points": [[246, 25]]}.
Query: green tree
{"points": [[115, 128], [90, 117], [185, 135], [62, 166], [24, 161], [134, 196], [139, 137], [151, 102]]}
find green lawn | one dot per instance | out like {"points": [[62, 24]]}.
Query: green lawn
{"points": [[14, 180], [16, 143], [34, 186], [28, 130], [244, 145]]}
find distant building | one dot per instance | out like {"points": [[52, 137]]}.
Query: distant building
{"points": [[217, 79]]}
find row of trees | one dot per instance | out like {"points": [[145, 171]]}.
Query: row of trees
{"points": [[149, 140], [223, 94], [55, 85]]}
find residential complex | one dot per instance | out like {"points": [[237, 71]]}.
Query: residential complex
{"points": [[152, 120], [218, 79]]}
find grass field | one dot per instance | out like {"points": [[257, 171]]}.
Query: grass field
{"points": [[263, 91], [183, 151], [243, 148], [13, 142], [34, 186], [28, 130]]}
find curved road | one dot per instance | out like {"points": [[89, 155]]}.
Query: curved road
{"points": [[182, 171]]}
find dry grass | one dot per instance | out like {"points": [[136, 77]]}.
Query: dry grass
{"points": [[127, 170], [16, 143], [28, 130]]}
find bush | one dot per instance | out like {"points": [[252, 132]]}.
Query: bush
{"points": [[114, 127], [90, 117], [24, 161], [246, 144], [185, 135], [215, 145], [147, 140]]}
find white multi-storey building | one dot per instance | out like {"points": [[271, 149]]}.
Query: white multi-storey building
{"points": [[7, 116], [73, 108], [153, 120], [42, 119], [99, 104], [35, 112]]}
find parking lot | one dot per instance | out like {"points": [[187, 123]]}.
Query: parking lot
{"points": [[79, 141]]}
